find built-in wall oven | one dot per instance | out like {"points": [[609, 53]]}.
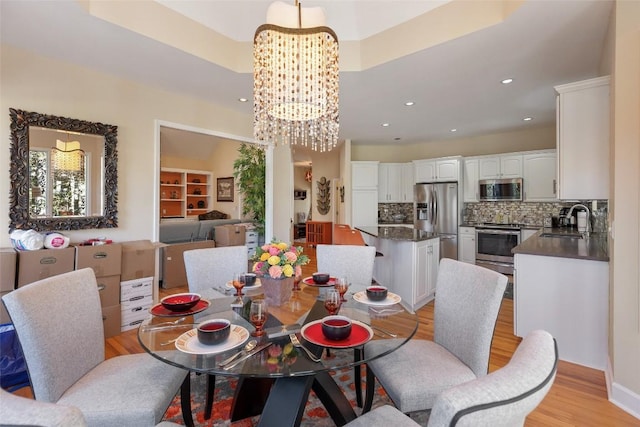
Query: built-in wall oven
{"points": [[494, 243]]}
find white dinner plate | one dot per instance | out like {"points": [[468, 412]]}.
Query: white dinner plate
{"points": [[188, 342], [256, 285], [389, 300]]}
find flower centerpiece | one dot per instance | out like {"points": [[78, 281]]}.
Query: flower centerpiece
{"points": [[277, 264]]}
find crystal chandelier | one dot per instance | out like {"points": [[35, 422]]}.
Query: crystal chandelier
{"points": [[295, 78], [67, 156]]}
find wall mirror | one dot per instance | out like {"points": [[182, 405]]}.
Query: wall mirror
{"points": [[63, 173]]}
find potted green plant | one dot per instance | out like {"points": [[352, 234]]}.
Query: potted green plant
{"points": [[249, 171]]}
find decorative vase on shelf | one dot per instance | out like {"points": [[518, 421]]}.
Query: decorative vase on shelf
{"points": [[276, 291]]}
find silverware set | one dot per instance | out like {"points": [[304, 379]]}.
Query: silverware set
{"points": [[296, 343]]}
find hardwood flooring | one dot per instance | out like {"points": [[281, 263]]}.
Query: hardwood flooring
{"points": [[578, 396]]}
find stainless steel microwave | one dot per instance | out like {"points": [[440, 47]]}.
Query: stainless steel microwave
{"points": [[494, 190]]}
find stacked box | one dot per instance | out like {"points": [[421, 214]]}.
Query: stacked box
{"points": [[138, 259], [43, 263], [136, 298], [8, 261], [173, 272], [230, 235]]}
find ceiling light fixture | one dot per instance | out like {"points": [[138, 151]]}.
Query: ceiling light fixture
{"points": [[409, 103], [67, 156], [507, 81], [528, 119], [295, 78], [385, 125], [454, 130], [242, 99]]}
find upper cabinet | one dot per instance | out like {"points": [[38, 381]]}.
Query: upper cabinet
{"points": [[364, 175], [503, 166], [395, 183], [539, 177], [583, 110], [470, 178], [434, 170]]}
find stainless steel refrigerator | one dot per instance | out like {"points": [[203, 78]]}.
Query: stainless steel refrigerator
{"points": [[436, 210]]}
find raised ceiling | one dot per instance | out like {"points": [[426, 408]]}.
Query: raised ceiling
{"points": [[449, 64]]}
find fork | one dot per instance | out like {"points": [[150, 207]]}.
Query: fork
{"points": [[298, 344]]}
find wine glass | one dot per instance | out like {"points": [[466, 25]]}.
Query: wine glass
{"points": [[238, 283], [342, 285], [296, 282], [258, 316], [332, 302]]}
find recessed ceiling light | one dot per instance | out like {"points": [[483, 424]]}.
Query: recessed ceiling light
{"points": [[242, 99], [409, 103], [454, 130], [385, 125], [528, 119], [397, 138], [507, 81]]}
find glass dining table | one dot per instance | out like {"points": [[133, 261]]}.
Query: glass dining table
{"points": [[275, 382]]}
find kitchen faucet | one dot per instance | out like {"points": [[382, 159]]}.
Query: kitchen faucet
{"points": [[580, 205]]}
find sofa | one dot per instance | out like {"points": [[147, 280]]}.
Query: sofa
{"points": [[191, 230]]}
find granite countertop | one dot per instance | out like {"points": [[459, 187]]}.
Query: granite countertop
{"points": [[522, 226], [594, 248], [407, 233], [406, 224]]}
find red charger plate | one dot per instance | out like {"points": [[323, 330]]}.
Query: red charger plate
{"points": [[360, 334], [161, 311], [309, 282]]}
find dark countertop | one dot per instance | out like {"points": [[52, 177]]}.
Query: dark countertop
{"points": [[406, 224], [407, 233], [522, 226], [594, 248]]}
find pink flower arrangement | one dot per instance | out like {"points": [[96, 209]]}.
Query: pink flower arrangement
{"points": [[279, 260]]}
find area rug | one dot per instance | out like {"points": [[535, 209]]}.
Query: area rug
{"points": [[315, 413]]}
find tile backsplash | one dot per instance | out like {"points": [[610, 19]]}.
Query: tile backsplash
{"points": [[527, 213]]}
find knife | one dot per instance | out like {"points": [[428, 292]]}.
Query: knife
{"points": [[256, 350]]}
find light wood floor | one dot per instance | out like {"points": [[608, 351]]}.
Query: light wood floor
{"points": [[577, 398]]}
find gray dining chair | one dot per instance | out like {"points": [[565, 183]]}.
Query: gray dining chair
{"points": [[17, 410], [467, 303], [355, 262], [58, 321], [502, 398], [208, 270]]}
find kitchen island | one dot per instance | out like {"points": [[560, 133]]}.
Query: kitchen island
{"points": [[562, 286], [409, 262]]}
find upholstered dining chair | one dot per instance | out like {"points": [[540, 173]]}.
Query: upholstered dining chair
{"points": [[58, 321], [467, 303], [355, 262], [208, 270], [502, 398]]}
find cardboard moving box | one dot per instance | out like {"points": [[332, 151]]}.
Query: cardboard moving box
{"points": [[105, 260], [230, 235], [8, 260], [43, 263], [173, 273], [138, 259]]}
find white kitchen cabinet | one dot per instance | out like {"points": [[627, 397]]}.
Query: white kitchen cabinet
{"points": [[569, 298], [539, 176], [498, 167], [408, 180], [364, 208], [467, 250], [389, 182], [434, 170], [470, 179], [364, 175], [409, 269], [582, 140]]}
